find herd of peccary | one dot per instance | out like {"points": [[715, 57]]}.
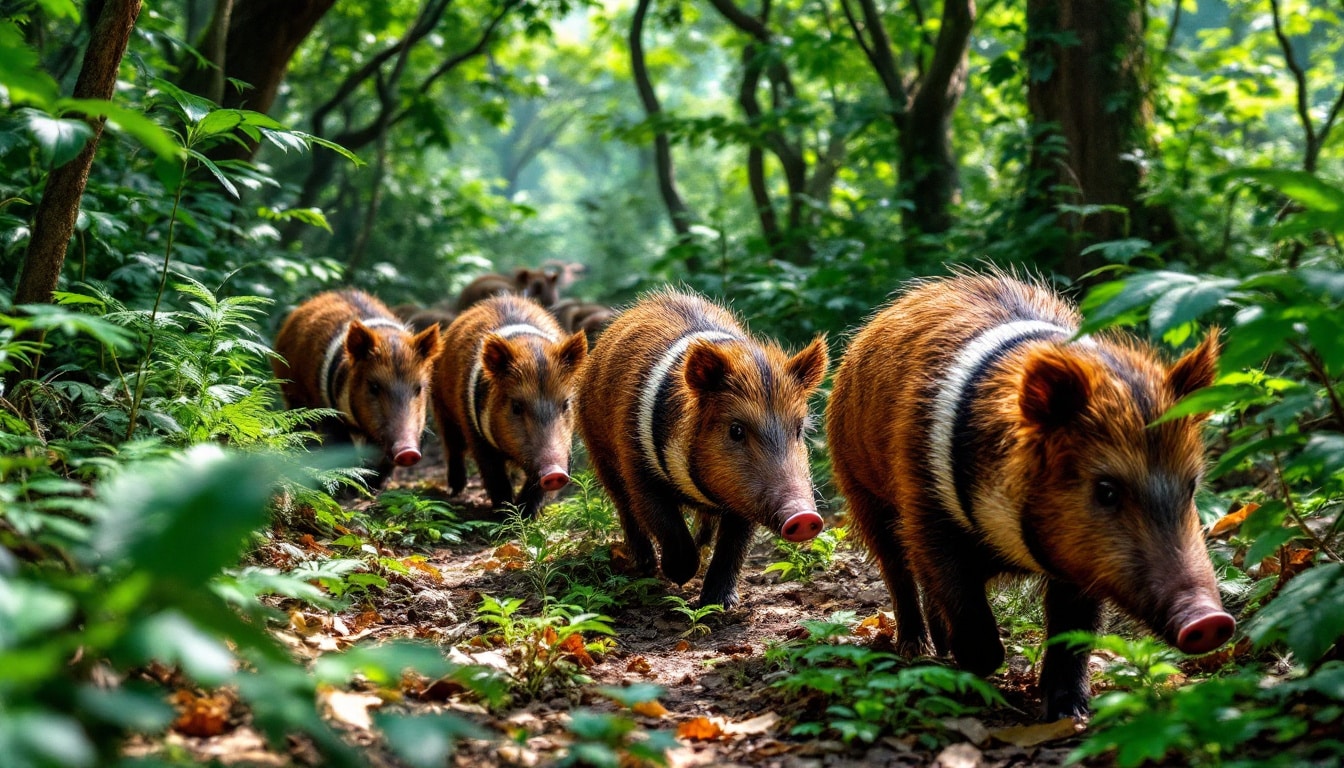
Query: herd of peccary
{"points": [[972, 431]]}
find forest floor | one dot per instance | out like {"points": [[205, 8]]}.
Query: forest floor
{"points": [[718, 696]]}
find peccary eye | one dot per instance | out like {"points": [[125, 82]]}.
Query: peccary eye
{"points": [[799, 431], [1108, 493], [736, 432], [564, 407], [375, 388], [517, 407], [419, 388]]}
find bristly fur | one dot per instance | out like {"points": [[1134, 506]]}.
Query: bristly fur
{"points": [[974, 433], [661, 393]]}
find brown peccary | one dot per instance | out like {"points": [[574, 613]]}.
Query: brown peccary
{"points": [[536, 284], [503, 385], [345, 350], [681, 407], [972, 435], [439, 314]]}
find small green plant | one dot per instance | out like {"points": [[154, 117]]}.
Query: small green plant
{"points": [[547, 651], [865, 694], [611, 740], [802, 561], [696, 616], [407, 519]]}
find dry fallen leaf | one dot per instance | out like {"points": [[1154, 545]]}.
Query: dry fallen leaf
{"points": [[649, 709], [510, 551], [573, 645], [349, 708], [201, 716], [682, 646], [1233, 519], [640, 665], [417, 563], [879, 625], [1031, 735], [970, 727], [492, 564], [699, 729], [758, 724]]}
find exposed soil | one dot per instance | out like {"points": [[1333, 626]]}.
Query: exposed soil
{"points": [[722, 675]]}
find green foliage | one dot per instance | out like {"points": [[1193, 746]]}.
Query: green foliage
{"points": [[608, 740], [802, 561], [695, 616], [549, 651], [859, 693]]}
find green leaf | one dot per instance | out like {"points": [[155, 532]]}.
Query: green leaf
{"points": [[1301, 186], [1187, 303], [1119, 251], [1109, 302], [44, 739], [145, 130], [214, 169], [21, 72], [219, 122], [426, 741], [172, 639], [635, 693], [29, 610], [135, 709], [1212, 398], [59, 140], [1308, 614]]}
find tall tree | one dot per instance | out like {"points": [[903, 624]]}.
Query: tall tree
{"points": [[924, 94], [1087, 61], [54, 221]]}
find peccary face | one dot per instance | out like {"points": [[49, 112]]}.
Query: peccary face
{"points": [[530, 407], [1110, 498], [749, 415], [389, 385]]}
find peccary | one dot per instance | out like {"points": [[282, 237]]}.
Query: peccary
{"points": [[680, 407], [972, 435], [536, 284], [503, 386], [346, 350]]}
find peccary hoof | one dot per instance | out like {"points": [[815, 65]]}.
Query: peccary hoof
{"points": [[728, 600], [1066, 702], [979, 657]]}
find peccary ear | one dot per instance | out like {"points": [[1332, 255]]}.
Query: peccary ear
{"points": [[522, 278], [1055, 388], [360, 342], [497, 356], [573, 352], [1197, 368], [707, 368], [426, 342], [808, 367]]}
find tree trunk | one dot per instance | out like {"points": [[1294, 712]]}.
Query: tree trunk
{"points": [[1093, 98], [54, 221], [208, 79], [677, 210]]}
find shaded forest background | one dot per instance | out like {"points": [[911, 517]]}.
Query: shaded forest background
{"points": [[174, 178]]}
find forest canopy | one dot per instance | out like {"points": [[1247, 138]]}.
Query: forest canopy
{"points": [[176, 178]]}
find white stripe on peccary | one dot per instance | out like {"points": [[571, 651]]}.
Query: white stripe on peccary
{"points": [[648, 400], [342, 400]]}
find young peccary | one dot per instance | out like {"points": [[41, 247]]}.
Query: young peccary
{"points": [[502, 388], [346, 350], [680, 407], [972, 435]]}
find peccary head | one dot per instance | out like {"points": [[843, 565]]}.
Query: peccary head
{"points": [[388, 385], [528, 412], [1109, 494], [743, 438], [537, 284]]}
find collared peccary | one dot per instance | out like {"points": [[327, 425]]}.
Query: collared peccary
{"points": [[346, 350], [680, 407], [503, 385], [972, 436], [537, 284]]}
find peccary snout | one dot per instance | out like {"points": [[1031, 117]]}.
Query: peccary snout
{"points": [[554, 477], [801, 526]]}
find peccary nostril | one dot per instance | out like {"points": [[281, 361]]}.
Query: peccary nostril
{"points": [[1206, 633], [802, 526], [554, 481], [406, 457]]}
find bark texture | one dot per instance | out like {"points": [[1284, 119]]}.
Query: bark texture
{"points": [[54, 221]]}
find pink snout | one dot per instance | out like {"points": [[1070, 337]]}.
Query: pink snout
{"points": [[554, 477], [801, 526], [405, 457], [1205, 633]]}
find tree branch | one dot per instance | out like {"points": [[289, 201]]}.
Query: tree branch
{"points": [[1300, 77], [881, 57], [662, 146]]}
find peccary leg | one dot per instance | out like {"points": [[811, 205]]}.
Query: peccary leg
{"points": [[877, 520], [454, 453], [730, 550], [641, 549], [678, 555], [494, 475], [531, 496], [954, 591], [1063, 683]]}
